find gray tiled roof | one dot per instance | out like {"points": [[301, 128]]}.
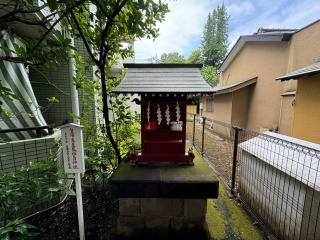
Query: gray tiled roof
{"points": [[163, 78], [309, 70]]}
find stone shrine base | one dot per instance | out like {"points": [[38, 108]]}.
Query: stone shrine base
{"points": [[163, 202], [159, 218]]}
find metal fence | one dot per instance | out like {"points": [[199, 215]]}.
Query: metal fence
{"points": [[275, 177], [17, 165]]}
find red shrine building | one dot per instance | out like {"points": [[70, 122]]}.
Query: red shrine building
{"points": [[165, 91], [157, 200]]}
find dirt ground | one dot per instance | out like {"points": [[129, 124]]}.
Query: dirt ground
{"points": [[100, 213]]}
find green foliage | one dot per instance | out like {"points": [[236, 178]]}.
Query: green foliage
{"points": [[18, 230], [173, 57], [99, 156], [210, 74], [5, 92], [53, 99], [29, 186], [215, 36], [103, 31], [116, 22], [195, 57]]}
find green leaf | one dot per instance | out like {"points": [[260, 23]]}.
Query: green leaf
{"points": [[52, 4]]}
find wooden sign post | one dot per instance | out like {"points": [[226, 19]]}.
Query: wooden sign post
{"points": [[73, 156]]}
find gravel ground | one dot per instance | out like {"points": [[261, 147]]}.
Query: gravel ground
{"points": [[217, 149]]}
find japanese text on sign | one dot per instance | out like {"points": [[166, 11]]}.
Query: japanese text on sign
{"points": [[72, 148]]}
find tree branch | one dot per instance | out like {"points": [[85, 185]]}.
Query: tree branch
{"points": [[11, 15], [48, 80], [83, 38], [100, 7], [50, 30], [106, 29], [25, 60], [104, 50]]}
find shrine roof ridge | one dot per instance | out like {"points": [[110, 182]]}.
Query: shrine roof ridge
{"points": [[163, 78], [163, 65]]}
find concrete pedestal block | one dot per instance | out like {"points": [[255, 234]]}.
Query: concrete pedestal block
{"points": [[162, 217], [167, 202], [129, 226], [129, 207], [159, 223], [161, 207], [195, 209]]}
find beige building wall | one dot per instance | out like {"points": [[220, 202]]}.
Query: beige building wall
{"points": [[222, 108], [286, 114], [304, 47], [266, 107], [306, 123], [305, 50], [267, 61], [192, 109], [205, 100], [240, 106]]}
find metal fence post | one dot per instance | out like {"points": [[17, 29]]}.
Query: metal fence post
{"points": [[194, 128], [234, 159], [203, 128]]}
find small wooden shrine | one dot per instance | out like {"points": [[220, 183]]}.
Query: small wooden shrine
{"points": [[165, 91], [163, 201]]}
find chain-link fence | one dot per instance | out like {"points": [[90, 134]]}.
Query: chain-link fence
{"points": [[275, 177]]}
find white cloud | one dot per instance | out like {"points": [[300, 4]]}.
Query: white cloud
{"points": [[182, 29], [275, 14], [236, 9], [182, 26]]}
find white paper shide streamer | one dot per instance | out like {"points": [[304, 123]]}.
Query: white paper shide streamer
{"points": [[159, 117], [167, 114], [148, 112], [178, 112]]}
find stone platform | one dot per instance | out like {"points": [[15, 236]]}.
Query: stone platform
{"points": [[167, 201]]}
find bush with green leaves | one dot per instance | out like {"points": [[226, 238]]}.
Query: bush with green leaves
{"points": [[28, 187], [100, 157], [18, 230]]}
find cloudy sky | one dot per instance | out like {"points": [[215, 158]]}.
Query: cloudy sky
{"points": [[182, 29]]}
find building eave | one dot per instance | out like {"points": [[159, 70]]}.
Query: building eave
{"points": [[234, 86], [310, 70], [242, 40]]}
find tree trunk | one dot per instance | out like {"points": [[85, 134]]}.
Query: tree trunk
{"points": [[105, 110]]}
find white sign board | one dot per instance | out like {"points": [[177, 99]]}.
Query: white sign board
{"points": [[72, 146]]}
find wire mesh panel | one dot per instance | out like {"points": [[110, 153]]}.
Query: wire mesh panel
{"points": [[215, 141], [189, 130], [30, 176], [276, 177], [195, 130], [218, 148], [279, 179]]}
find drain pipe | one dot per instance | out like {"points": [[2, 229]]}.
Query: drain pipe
{"points": [[74, 91]]}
